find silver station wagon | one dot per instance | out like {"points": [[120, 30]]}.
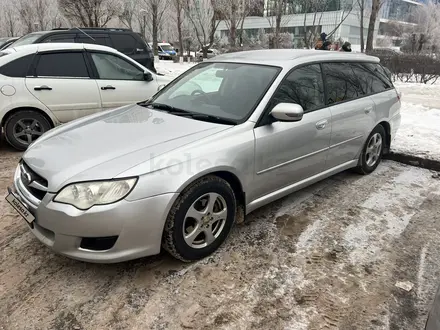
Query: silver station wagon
{"points": [[223, 139]]}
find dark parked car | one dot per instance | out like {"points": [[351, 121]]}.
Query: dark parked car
{"points": [[124, 40], [5, 42]]}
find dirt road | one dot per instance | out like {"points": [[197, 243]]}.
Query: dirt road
{"points": [[327, 257]]}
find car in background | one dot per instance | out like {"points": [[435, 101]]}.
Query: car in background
{"points": [[124, 40], [165, 51], [224, 138], [43, 85], [211, 53], [5, 42]]}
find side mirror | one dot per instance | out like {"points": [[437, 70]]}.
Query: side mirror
{"points": [[287, 112], [148, 76]]}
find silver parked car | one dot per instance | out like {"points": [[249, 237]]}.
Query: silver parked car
{"points": [[226, 137]]}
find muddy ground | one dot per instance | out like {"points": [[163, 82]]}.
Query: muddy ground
{"points": [[327, 257]]}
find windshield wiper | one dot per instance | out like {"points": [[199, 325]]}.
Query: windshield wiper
{"points": [[165, 107], [181, 112]]}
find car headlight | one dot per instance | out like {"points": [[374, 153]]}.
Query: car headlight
{"points": [[84, 195]]}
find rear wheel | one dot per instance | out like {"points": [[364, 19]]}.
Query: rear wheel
{"points": [[24, 127], [372, 152], [200, 219]]}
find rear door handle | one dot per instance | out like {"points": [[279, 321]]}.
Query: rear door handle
{"points": [[104, 88], [368, 109], [42, 88], [321, 124]]}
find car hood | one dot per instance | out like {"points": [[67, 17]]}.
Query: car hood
{"points": [[102, 146]]}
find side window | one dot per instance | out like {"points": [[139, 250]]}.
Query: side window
{"points": [[304, 86], [370, 78], [97, 40], [342, 83], [60, 38], [17, 68], [125, 43], [62, 65], [112, 67]]}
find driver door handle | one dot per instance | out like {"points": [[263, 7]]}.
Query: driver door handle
{"points": [[42, 88], [104, 88], [321, 124]]}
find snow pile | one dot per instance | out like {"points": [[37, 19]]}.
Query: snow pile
{"points": [[419, 133]]}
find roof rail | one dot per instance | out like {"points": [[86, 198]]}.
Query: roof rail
{"points": [[60, 29], [103, 29]]}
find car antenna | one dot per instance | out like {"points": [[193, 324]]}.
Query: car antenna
{"points": [[85, 33]]}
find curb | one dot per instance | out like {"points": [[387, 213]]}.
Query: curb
{"points": [[429, 164]]}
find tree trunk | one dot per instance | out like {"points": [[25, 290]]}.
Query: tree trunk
{"points": [[233, 29], [179, 30], [154, 12], [362, 26], [373, 17]]}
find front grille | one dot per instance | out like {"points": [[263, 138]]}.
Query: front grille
{"points": [[34, 183], [37, 178]]}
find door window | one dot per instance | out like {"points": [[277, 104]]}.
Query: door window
{"points": [[61, 38], [304, 86], [125, 43], [62, 65], [95, 40], [17, 68], [342, 83], [371, 81], [112, 67]]}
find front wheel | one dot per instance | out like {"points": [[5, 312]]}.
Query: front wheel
{"points": [[200, 219], [24, 127], [372, 152]]}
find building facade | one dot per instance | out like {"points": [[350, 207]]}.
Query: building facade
{"points": [[305, 22]]}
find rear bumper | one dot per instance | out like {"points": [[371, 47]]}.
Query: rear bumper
{"points": [[395, 124], [136, 225]]}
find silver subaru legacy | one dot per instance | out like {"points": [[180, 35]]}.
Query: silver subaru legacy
{"points": [[223, 139]]}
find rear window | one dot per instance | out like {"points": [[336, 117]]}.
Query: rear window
{"points": [[17, 68], [27, 39], [125, 43]]}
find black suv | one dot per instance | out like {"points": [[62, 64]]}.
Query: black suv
{"points": [[124, 40]]}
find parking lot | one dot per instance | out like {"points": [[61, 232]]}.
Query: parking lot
{"points": [[327, 257]]}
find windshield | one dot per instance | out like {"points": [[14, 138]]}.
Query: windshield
{"points": [[26, 40], [226, 90], [167, 48]]}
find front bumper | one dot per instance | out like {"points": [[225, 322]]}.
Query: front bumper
{"points": [[138, 225]]}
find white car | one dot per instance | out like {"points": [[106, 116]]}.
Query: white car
{"points": [[44, 85]]}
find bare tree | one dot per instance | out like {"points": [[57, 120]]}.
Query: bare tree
{"points": [[375, 8], [361, 11], [130, 8], [179, 6], [276, 11], [26, 12], [155, 9], [203, 16], [89, 13], [9, 18], [234, 13]]}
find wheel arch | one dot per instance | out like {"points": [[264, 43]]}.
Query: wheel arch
{"points": [[13, 111], [386, 125]]}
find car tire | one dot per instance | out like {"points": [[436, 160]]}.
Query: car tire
{"points": [[24, 126], [372, 151], [211, 201]]}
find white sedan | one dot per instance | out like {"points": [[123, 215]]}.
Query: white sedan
{"points": [[44, 85]]}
